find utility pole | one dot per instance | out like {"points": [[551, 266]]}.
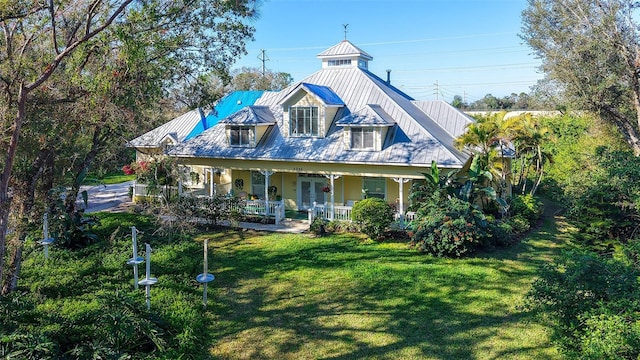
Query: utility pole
{"points": [[437, 90], [263, 58]]}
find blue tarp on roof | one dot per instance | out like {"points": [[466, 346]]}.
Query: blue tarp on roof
{"points": [[324, 93], [225, 107]]}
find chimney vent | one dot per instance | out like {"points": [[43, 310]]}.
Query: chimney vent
{"points": [[388, 76]]}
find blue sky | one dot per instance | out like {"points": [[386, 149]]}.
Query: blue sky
{"points": [[434, 48]]}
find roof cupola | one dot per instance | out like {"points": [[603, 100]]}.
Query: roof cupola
{"points": [[345, 54]]}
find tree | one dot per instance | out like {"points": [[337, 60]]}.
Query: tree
{"points": [[591, 48], [206, 89], [488, 138], [253, 79], [56, 53], [529, 136], [458, 102]]}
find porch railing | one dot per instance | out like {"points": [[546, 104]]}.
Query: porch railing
{"points": [[270, 208], [340, 212], [343, 213], [262, 208]]}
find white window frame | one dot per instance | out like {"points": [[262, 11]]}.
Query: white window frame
{"points": [[339, 62], [361, 142], [250, 136], [310, 121]]}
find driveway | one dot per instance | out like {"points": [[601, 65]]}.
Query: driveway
{"points": [[105, 197]]}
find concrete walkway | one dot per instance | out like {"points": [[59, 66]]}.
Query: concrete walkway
{"points": [[115, 198], [285, 226]]}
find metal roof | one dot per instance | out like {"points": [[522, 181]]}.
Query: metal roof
{"points": [[423, 132], [342, 49], [370, 115], [178, 128], [415, 141], [250, 115], [226, 106], [324, 93]]}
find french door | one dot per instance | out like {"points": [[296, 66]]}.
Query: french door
{"points": [[310, 190]]}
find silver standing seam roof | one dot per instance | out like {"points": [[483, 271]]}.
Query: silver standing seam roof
{"points": [[419, 131], [179, 128]]}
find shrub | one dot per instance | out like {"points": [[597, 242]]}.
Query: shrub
{"points": [[318, 226], [527, 206], [594, 303], [501, 232], [519, 224], [450, 227], [373, 216], [341, 226]]}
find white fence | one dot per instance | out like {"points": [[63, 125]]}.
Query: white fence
{"points": [[264, 208], [343, 213]]}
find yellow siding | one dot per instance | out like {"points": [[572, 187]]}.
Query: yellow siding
{"points": [[289, 190]]}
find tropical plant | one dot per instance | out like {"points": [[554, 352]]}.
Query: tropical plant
{"points": [[448, 228], [488, 138], [529, 137]]}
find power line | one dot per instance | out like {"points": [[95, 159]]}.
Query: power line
{"points": [[396, 41]]}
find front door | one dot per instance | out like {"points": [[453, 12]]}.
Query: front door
{"points": [[310, 190]]}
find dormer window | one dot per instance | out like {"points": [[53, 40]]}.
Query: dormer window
{"points": [[304, 121], [339, 62], [247, 126], [362, 138], [366, 129], [241, 136]]}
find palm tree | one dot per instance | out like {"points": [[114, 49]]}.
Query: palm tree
{"points": [[528, 135], [489, 138]]}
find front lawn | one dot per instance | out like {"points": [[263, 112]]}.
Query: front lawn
{"points": [[291, 296]]}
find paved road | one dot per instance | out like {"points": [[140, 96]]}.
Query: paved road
{"points": [[105, 197]]}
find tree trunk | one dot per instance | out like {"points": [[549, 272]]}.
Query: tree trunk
{"points": [[5, 177], [28, 200]]}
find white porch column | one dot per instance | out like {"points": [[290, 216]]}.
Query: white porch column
{"points": [[401, 182], [211, 173], [181, 171], [331, 178], [266, 174]]}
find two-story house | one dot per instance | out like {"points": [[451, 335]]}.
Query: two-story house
{"points": [[338, 135]]}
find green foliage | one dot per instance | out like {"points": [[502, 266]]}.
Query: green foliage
{"points": [[595, 304], [71, 230], [318, 226], [373, 216], [341, 226], [527, 206], [610, 207], [585, 46], [450, 228], [82, 304]]}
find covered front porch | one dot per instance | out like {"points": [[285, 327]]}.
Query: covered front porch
{"points": [[320, 194]]}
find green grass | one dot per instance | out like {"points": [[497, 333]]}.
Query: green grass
{"points": [[280, 296], [108, 179]]}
